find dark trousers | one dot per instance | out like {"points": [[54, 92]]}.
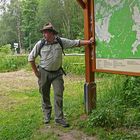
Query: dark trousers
{"points": [[56, 80]]}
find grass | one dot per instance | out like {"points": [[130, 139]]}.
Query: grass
{"points": [[71, 64], [74, 64], [22, 119], [12, 62], [116, 117]]}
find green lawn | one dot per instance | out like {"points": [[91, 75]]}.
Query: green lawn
{"points": [[21, 115], [117, 115]]}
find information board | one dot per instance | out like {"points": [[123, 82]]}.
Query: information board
{"points": [[117, 29]]}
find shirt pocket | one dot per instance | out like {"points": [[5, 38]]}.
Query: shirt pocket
{"points": [[58, 52], [45, 53]]}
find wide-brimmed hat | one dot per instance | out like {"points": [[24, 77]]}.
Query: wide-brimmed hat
{"points": [[49, 27]]}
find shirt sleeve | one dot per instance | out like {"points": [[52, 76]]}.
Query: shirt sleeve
{"points": [[35, 52], [67, 43]]}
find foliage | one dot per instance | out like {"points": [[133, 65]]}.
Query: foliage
{"points": [[29, 10], [74, 65], [6, 49], [109, 111], [22, 20], [71, 65], [118, 104], [9, 23], [12, 63], [131, 96]]}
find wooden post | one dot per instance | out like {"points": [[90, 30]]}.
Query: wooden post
{"points": [[81, 3], [89, 31], [90, 59]]}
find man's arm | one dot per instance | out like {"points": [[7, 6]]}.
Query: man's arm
{"points": [[32, 56], [67, 43], [34, 68], [87, 42]]}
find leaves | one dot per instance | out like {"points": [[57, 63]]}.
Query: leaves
{"points": [[22, 20]]}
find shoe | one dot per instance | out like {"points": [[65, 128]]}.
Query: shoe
{"points": [[47, 120], [61, 122]]}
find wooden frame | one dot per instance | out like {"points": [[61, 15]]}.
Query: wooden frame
{"points": [[90, 57], [82, 4], [89, 31], [118, 72]]}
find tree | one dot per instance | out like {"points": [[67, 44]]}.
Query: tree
{"points": [[21, 20], [65, 15], [72, 18], [10, 23], [15, 11], [29, 10]]}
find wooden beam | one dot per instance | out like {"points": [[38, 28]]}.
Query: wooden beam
{"points": [[88, 31], [93, 52], [90, 85], [82, 4]]}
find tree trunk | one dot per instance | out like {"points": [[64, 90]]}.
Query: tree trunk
{"points": [[19, 34]]}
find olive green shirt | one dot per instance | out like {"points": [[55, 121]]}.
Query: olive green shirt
{"points": [[51, 54]]}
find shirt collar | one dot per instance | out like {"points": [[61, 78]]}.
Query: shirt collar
{"points": [[54, 42]]}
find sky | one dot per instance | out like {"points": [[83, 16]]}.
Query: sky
{"points": [[1, 3]]}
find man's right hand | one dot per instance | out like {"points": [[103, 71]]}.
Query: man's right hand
{"points": [[34, 68], [37, 73]]}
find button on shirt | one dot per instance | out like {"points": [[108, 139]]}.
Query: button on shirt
{"points": [[51, 54]]}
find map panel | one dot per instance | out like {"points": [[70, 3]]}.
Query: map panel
{"points": [[117, 28]]}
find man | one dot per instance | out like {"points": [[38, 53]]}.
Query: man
{"points": [[50, 70]]}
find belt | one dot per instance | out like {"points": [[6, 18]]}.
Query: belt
{"points": [[55, 70]]}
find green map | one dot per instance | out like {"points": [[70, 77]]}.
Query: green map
{"points": [[117, 27]]}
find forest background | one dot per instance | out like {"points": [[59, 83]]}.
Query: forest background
{"points": [[21, 20]]}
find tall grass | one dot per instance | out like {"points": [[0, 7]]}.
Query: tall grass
{"points": [[74, 64], [110, 108], [12, 62], [117, 115], [71, 64], [118, 104]]}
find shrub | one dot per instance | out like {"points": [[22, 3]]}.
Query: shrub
{"points": [[12, 63], [6, 49], [108, 113], [131, 96], [118, 104], [74, 65]]}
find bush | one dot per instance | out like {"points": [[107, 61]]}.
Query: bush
{"points": [[131, 96], [74, 65], [12, 63], [110, 110], [6, 49], [118, 104]]}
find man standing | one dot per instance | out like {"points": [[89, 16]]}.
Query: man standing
{"points": [[50, 70]]}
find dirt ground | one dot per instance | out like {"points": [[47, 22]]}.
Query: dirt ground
{"points": [[17, 81], [23, 80]]}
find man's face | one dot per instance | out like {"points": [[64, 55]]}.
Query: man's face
{"points": [[48, 34]]}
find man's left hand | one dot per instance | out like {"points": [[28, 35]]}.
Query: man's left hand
{"points": [[92, 41]]}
